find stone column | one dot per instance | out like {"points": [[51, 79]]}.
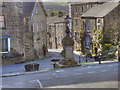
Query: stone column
{"points": [[68, 43]]}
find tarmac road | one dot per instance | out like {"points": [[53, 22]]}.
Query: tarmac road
{"points": [[84, 75]]}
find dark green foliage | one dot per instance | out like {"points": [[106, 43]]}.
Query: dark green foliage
{"points": [[60, 14], [68, 62], [110, 36], [109, 50]]}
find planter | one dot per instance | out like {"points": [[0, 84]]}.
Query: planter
{"points": [[31, 67]]}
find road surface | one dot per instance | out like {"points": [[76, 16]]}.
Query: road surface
{"points": [[67, 76]]}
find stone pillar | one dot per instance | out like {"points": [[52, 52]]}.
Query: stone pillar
{"points": [[68, 52], [68, 43]]}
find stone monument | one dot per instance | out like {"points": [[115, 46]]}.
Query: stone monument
{"points": [[68, 43]]}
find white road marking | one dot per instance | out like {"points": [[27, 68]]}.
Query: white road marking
{"points": [[90, 72], [89, 67], [19, 83], [78, 74], [57, 71], [103, 70], [38, 81], [60, 71]]}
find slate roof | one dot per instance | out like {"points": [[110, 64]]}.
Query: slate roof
{"points": [[55, 19], [28, 7], [100, 10]]}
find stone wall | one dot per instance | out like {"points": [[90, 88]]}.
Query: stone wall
{"points": [[14, 25], [28, 41], [77, 16], [39, 20], [111, 25]]}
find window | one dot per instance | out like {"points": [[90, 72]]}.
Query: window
{"points": [[76, 9], [50, 26], [83, 25], [33, 27], [99, 24], [59, 40], [37, 28], [91, 6], [76, 22], [2, 4], [5, 44], [2, 21], [42, 25], [82, 8], [87, 41], [88, 26], [76, 36]]}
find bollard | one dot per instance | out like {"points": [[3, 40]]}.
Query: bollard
{"points": [[99, 60], [86, 58], [54, 65]]}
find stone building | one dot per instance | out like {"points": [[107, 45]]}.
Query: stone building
{"points": [[104, 18], [39, 27], [99, 16], [56, 32], [12, 26], [17, 30], [77, 23]]}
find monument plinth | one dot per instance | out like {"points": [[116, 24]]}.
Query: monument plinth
{"points": [[68, 43]]}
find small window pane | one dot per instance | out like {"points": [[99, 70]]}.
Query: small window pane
{"points": [[1, 18], [4, 44], [76, 22], [2, 24]]}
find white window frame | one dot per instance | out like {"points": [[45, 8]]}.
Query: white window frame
{"points": [[2, 21], [99, 24], [8, 37]]}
